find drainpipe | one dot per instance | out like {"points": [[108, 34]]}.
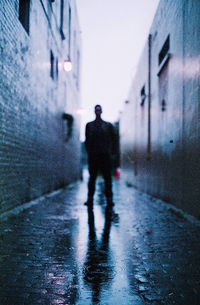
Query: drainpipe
{"points": [[149, 99]]}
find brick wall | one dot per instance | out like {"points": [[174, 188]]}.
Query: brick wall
{"points": [[161, 146], [35, 157]]}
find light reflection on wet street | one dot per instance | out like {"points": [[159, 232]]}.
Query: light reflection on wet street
{"points": [[61, 252]]}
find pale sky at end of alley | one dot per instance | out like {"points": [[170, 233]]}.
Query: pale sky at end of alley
{"points": [[113, 34]]}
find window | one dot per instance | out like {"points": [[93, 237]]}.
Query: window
{"points": [[164, 51], [163, 61], [69, 32], [51, 65], [24, 12], [57, 68], [143, 96], [62, 18]]}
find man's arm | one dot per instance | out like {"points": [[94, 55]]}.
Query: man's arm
{"points": [[86, 137], [113, 139]]}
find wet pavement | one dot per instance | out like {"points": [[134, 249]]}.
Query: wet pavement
{"points": [[138, 253]]}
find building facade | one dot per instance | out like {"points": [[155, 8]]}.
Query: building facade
{"points": [[160, 124], [39, 99]]}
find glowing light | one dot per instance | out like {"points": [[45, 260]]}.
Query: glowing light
{"points": [[67, 65]]}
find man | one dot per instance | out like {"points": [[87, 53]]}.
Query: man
{"points": [[100, 140]]}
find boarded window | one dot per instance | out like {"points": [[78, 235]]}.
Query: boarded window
{"points": [[24, 12], [164, 51]]}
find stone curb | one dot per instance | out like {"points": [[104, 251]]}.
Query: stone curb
{"points": [[15, 211], [173, 209]]}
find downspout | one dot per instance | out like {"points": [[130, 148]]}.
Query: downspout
{"points": [[149, 99]]}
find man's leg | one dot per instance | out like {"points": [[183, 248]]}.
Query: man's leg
{"points": [[91, 184], [93, 170], [107, 175]]}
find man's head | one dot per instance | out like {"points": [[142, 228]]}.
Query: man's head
{"points": [[98, 110]]}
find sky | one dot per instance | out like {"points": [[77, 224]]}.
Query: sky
{"points": [[113, 34]]}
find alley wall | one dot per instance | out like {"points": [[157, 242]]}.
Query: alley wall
{"points": [[39, 146], [160, 123]]}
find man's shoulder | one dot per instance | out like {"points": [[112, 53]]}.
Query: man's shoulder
{"points": [[90, 123], [108, 124], [93, 123]]}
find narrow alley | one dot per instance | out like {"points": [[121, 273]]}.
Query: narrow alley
{"points": [[59, 252], [114, 85]]}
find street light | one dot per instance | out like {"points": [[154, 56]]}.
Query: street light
{"points": [[67, 65]]}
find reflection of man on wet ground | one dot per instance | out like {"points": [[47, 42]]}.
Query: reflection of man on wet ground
{"points": [[100, 140], [98, 268]]}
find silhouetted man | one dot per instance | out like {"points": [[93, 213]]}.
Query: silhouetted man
{"points": [[100, 140]]}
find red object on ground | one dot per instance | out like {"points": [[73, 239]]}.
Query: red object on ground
{"points": [[117, 173]]}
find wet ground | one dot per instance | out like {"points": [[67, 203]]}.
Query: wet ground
{"points": [[58, 252]]}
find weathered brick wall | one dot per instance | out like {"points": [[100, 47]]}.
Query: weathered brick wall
{"points": [[191, 106], [34, 156], [172, 169]]}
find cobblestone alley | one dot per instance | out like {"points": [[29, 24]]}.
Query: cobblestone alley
{"points": [[57, 252]]}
